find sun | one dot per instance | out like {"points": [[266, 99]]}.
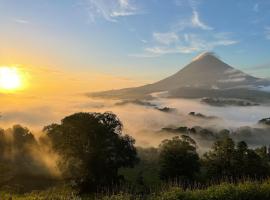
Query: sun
{"points": [[10, 78]]}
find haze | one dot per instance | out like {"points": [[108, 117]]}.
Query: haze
{"points": [[65, 51]]}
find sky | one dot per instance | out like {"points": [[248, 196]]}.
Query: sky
{"points": [[91, 45], [64, 48]]}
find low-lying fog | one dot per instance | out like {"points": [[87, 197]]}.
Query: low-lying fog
{"points": [[140, 121]]}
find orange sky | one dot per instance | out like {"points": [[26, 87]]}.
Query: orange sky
{"points": [[48, 81]]}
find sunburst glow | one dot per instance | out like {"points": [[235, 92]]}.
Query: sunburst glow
{"points": [[10, 78]]}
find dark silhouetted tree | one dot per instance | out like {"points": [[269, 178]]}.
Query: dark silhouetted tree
{"points": [[178, 159], [227, 160], [93, 148], [16, 156], [220, 160]]}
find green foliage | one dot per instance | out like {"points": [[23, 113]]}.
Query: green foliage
{"points": [[227, 160], [147, 169], [92, 148], [57, 193], [265, 121], [178, 159], [120, 196], [224, 191]]}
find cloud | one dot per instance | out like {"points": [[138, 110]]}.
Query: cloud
{"points": [[167, 50], [184, 43], [191, 3], [31, 116], [188, 35], [21, 21], [196, 22], [229, 80], [267, 32], [166, 38], [142, 124], [192, 22], [144, 41], [234, 75], [110, 10], [124, 3], [265, 88]]}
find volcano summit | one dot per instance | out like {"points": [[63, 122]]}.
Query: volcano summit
{"points": [[205, 76]]}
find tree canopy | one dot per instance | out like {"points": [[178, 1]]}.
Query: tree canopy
{"points": [[92, 148], [227, 160], [178, 159]]}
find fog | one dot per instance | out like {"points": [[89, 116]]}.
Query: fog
{"points": [[141, 122], [265, 88], [232, 116]]}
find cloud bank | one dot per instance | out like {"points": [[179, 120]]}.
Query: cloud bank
{"points": [[141, 122]]}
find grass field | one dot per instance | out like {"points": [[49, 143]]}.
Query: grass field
{"points": [[225, 191]]}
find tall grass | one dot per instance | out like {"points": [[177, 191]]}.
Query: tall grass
{"points": [[225, 191], [247, 190]]}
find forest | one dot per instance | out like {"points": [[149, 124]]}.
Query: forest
{"points": [[88, 156]]}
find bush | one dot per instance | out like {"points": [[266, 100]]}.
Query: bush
{"points": [[224, 191]]}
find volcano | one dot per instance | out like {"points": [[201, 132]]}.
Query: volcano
{"points": [[205, 76]]}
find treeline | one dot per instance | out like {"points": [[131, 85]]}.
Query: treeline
{"points": [[177, 162], [26, 162], [93, 154]]}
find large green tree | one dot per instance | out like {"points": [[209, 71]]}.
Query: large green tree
{"points": [[92, 148], [178, 159]]}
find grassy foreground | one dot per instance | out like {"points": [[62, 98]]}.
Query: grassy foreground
{"points": [[225, 191]]}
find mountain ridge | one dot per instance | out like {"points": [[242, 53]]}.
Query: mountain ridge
{"points": [[205, 72]]}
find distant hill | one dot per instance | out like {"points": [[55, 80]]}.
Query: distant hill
{"points": [[205, 76]]}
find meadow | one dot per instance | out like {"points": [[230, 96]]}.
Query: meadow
{"points": [[245, 190]]}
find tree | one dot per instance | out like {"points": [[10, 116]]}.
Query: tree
{"points": [[219, 162], [263, 152], [227, 160], [251, 163], [16, 158], [92, 148], [18, 143], [178, 159]]}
